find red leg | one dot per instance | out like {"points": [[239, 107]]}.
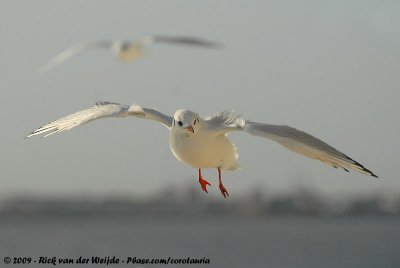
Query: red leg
{"points": [[224, 192], [203, 182]]}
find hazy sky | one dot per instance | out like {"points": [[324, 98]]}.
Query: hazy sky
{"points": [[330, 69]]}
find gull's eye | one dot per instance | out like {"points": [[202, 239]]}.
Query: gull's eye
{"points": [[194, 123], [180, 123]]}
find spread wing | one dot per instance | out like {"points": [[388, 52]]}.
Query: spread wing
{"points": [[289, 137], [100, 110], [186, 40], [72, 51]]}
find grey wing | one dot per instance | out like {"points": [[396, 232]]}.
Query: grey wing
{"points": [[100, 110], [72, 51], [305, 144], [289, 137], [187, 40]]}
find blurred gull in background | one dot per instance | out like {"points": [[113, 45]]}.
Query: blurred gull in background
{"points": [[126, 51], [203, 143]]}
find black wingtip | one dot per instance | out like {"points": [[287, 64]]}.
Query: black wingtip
{"points": [[369, 172]]}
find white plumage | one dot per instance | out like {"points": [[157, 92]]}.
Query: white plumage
{"points": [[203, 143]]}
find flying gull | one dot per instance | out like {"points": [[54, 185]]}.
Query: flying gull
{"points": [[126, 51], [203, 142]]}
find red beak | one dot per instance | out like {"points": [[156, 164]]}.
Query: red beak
{"points": [[190, 128]]}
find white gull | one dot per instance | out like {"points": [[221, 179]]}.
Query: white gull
{"points": [[203, 142]]}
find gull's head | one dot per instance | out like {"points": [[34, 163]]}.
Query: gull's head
{"points": [[127, 51], [186, 122]]}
